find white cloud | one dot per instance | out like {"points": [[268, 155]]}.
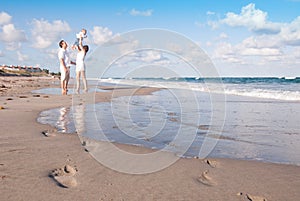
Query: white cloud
{"points": [[45, 33], [175, 48], [51, 53], [144, 57], [213, 24], [151, 56], [101, 35], [267, 45], [296, 52], [5, 18], [226, 52], [290, 33], [12, 37], [146, 13], [127, 45], [255, 19], [260, 52], [210, 13], [272, 44], [22, 57], [199, 24], [223, 36], [248, 48], [11, 34], [13, 46], [263, 41]]}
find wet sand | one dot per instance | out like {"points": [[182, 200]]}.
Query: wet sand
{"points": [[38, 163]]}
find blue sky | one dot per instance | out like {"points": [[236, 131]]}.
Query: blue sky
{"points": [[242, 38]]}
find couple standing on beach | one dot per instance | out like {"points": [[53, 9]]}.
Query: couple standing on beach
{"points": [[65, 62]]}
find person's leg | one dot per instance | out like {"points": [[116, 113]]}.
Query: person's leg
{"points": [[62, 85], [84, 81], [63, 82], [67, 78], [77, 81]]}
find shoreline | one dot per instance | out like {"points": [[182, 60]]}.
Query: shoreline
{"points": [[243, 143], [27, 158]]}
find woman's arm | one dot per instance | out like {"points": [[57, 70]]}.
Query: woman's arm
{"points": [[80, 44]]}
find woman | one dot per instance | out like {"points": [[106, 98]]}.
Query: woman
{"points": [[80, 66]]}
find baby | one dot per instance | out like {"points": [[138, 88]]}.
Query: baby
{"points": [[81, 34]]}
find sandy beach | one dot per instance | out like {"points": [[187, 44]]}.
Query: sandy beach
{"points": [[38, 163]]}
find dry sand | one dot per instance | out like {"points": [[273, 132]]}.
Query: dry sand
{"points": [[36, 167]]}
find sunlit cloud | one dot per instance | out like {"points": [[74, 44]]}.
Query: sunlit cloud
{"points": [[5, 18], [272, 41], [254, 19], [12, 37], [11, 34], [101, 35], [45, 33]]}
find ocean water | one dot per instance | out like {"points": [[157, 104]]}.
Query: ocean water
{"points": [[241, 118]]}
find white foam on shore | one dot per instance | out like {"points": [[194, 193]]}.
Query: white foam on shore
{"points": [[220, 88]]}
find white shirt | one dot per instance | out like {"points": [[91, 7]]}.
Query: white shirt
{"points": [[64, 54]]}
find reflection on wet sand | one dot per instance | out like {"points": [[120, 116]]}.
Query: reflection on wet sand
{"points": [[79, 118], [63, 119], [68, 119]]}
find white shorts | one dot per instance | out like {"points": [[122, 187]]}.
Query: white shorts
{"points": [[64, 75]]}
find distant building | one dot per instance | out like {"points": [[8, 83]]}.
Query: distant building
{"points": [[29, 69]]}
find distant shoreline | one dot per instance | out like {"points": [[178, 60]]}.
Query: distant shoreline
{"points": [[22, 73]]}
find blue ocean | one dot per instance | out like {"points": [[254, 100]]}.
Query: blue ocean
{"points": [[250, 118]]}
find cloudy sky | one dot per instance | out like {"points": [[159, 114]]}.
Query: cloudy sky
{"points": [[242, 38]]}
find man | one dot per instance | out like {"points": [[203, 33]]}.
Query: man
{"points": [[64, 63]]}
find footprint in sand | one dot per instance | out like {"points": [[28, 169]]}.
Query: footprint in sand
{"points": [[203, 127], [255, 198], [249, 197], [49, 133], [65, 176], [211, 163], [205, 179]]}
